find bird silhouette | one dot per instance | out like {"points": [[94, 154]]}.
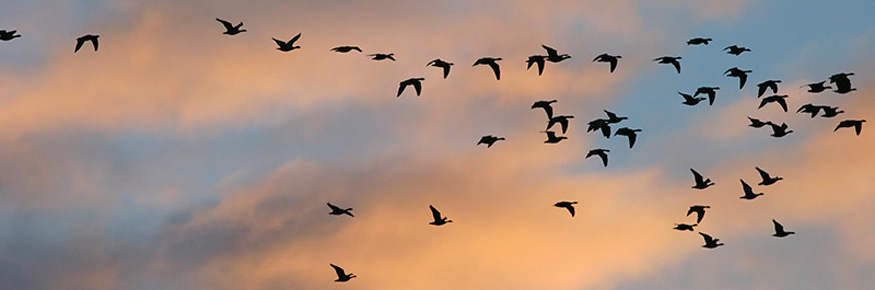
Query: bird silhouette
{"points": [[438, 219], [335, 210], [673, 60], [710, 242], [441, 64], [817, 87], [599, 124], [489, 140], [286, 46], [769, 84], [842, 82], [231, 29], [536, 59], [613, 119], [346, 48], [684, 227], [415, 82], [699, 210], [689, 100], [748, 191], [491, 61], [780, 99], [88, 37], [740, 74], [612, 59], [857, 124], [562, 120], [809, 108], [342, 276], [569, 205], [779, 131], [710, 91], [552, 138], [735, 49], [631, 133], [699, 40], [756, 123], [601, 153], [382, 56], [779, 230], [767, 179], [546, 106], [829, 112], [8, 35], [701, 182], [554, 56]]}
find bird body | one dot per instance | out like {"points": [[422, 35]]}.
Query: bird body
{"points": [[613, 118], [685, 227], [601, 153], [552, 138], [492, 63], [569, 205], [441, 64], [415, 82], [672, 60], [735, 49], [438, 219], [346, 48], [699, 40], [748, 191], [809, 108], [88, 37], [612, 59], [335, 210], [286, 46], [857, 124], [382, 56], [231, 29], [842, 82], [489, 140], [8, 35], [599, 124], [701, 182]]}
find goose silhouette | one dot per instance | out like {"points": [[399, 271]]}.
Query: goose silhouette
{"points": [[684, 227], [689, 100], [441, 64], [701, 182], [569, 205], [601, 153], [415, 82], [829, 112], [553, 55], [769, 84], [546, 106], [335, 210], [817, 87], [842, 82], [809, 108], [536, 59], [286, 46], [382, 56], [779, 131], [492, 63], [599, 124], [735, 49], [740, 74], [699, 40], [552, 138], [342, 276], [562, 120], [767, 179], [857, 124], [672, 60], [779, 230], [612, 59], [438, 219], [756, 123], [346, 48], [710, 242], [631, 133], [88, 37], [231, 29], [699, 210], [8, 35], [613, 119], [489, 140], [780, 99], [748, 191], [710, 91]]}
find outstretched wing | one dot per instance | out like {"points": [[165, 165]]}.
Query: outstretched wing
{"points": [[550, 51], [295, 38], [495, 69], [338, 270], [228, 25], [435, 213], [778, 227]]}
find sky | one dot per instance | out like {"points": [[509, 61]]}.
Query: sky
{"points": [[177, 157]]}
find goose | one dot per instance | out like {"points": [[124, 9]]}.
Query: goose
{"points": [[601, 153], [286, 46], [701, 182], [231, 29], [612, 59], [342, 276], [710, 242], [748, 191], [767, 179], [88, 37], [335, 210], [569, 205], [415, 82], [489, 140], [441, 64], [672, 60], [491, 62], [438, 219]]}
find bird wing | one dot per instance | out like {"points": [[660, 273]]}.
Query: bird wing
{"points": [[495, 69], [858, 127], [446, 70], [676, 64], [613, 62], [763, 174], [742, 78], [604, 157], [606, 130], [401, 87], [279, 42], [698, 177], [540, 66], [418, 86], [747, 189], [570, 209], [764, 101], [600, 57], [783, 103], [549, 110], [550, 51], [79, 42], [762, 89], [294, 38], [333, 207], [228, 25], [708, 239], [435, 213], [338, 270], [711, 95], [632, 136], [564, 123], [778, 227]]}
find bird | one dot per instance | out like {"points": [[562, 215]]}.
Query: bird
{"points": [[842, 82], [438, 219], [552, 138], [286, 46], [382, 56], [817, 87], [546, 106], [769, 84], [699, 210], [441, 64], [231, 29], [810, 108], [342, 276], [710, 242], [780, 99], [631, 133], [601, 153], [689, 100], [684, 227], [710, 91], [740, 74], [699, 40], [88, 37], [569, 205], [779, 230], [562, 120], [612, 59], [736, 50], [415, 82], [599, 124], [8, 35], [767, 180], [346, 48], [489, 140], [613, 119], [701, 182], [335, 210], [748, 191], [857, 124], [491, 61], [779, 131], [673, 60], [554, 56], [829, 112], [756, 123], [536, 59]]}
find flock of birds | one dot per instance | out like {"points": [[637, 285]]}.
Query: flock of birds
{"points": [[841, 82]]}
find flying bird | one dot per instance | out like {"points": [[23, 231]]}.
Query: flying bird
{"points": [[842, 82], [562, 120], [415, 82], [767, 179], [631, 133], [701, 182], [809, 108], [8, 35], [740, 74], [441, 64], [829, 112], [491, 61], [699, 210], [346, 48], [756, 123], [546, 106], [748, 191], [817, 87], [684, 227], [735, 49], [286, 46], [780, 99], [599, 124], [710, 91], [769, 84], [88, 37], [554, 56], [673, 60], [536, 59], [779, 131], [699, 40], [857, 124], [569, 205], [335, 210], [231, 29], [342, 276], [382, 56], [710, 242], [601, 153], [612, 59], [552, 138], [489, 140], [779, 230], [613, 119], [689, 100], [438, 219]]}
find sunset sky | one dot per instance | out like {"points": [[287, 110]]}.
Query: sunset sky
{"points": [[177, 157]]}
